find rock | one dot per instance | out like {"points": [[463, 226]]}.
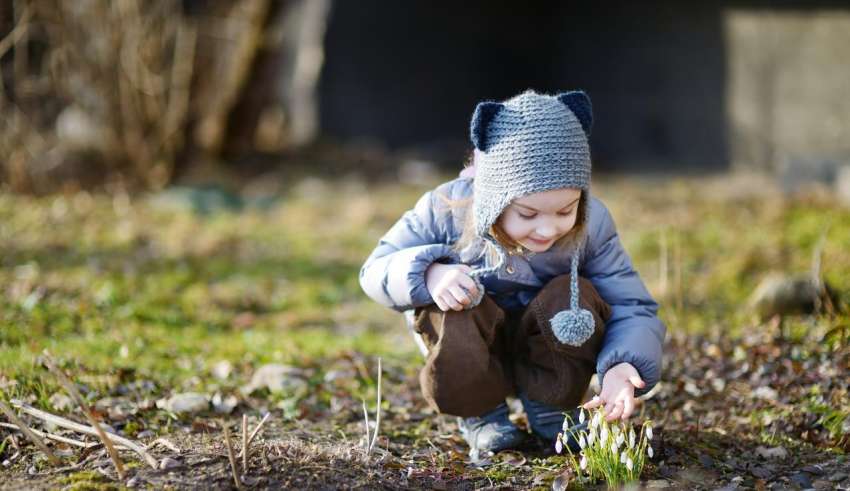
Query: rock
{"points": [[766, 393], [657, 484], [277, 378], [134, 482], [222, 370], [61, 402], [185, 403], [838, 477], [802, 479], [813, 469], [224, 405], [169, 463], [772, 453], [822, 484], [780, 294]]}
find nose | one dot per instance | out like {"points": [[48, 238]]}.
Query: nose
{"points": [[546, 231]]}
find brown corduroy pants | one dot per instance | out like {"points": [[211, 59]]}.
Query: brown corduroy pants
{"points": [[477, 357]]}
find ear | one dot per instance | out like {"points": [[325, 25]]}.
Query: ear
{"points": [[579, 104], [484, 113]]}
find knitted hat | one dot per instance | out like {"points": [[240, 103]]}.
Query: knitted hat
{"points": [[529, 144]]}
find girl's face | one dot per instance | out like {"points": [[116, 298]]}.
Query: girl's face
{"points": [[538, 220]]}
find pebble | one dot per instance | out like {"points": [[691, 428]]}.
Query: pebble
{"points": [[802, 479], [169, 463], [277, 378], [185, 403], [838, 477], [657, 484]]}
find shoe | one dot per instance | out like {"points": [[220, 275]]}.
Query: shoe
{"points": [[490, 432], [547, 421]]}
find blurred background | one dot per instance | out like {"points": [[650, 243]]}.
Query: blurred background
{"points": [[148, 91]]}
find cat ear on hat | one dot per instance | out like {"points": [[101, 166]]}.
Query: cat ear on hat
{"points": [[579, 104], [484, 113]]}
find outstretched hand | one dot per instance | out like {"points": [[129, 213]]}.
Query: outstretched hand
{"points": [[618, 392]]}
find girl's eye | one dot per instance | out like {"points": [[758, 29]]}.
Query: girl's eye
{"points": [[566, 213], [528, 217]]}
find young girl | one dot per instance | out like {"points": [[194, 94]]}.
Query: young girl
{"points": [[527, 291]]}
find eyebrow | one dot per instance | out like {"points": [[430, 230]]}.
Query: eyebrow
{"points": [[536, 210]]}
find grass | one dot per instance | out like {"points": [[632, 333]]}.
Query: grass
{"points": [[124, 291]]}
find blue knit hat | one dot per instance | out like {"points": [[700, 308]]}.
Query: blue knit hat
{"points": [[529, 144]]}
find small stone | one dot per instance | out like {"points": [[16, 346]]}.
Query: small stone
{"points": [[185, 403], [813, 469], [169, 463], [224, 405], [657, 484], [838, 477], [772, 453], [277, 378], [222, 370], [145, 434], [766, 393], [822, 484], [802, 479], [134, 482]]}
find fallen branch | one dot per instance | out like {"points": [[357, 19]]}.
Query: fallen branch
{"points": [[72, 391], [231, 456], [58, 438], [81, 428], [254, 433], [28, 433], [245, 443]]}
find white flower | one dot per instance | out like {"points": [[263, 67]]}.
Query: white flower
{"points": [[580, 416], [597, 419], [623, 458], [614, 447], [603, 437], [649, 432], [565, 426], [629, 464], [649, 452], [616, 432], [559, 446], [583, 463], [631, 438], [620, 440], [582, 442], [590, 437]]}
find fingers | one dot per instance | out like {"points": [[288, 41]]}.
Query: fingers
{"points": [[615, 411], [469, 284], [451, 301], [459, 294], [637, 381], [628, 408], [595, 402]]}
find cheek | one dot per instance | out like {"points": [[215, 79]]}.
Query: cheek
{"points": [[515, 228]]}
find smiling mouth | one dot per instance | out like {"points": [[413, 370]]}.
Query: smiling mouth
{"points": [[540, 242]]}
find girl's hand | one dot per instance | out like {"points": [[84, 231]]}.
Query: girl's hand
{"points": [[450, 285], [618, 392]]}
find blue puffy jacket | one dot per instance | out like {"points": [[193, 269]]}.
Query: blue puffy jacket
{"points": [[394, 275]]}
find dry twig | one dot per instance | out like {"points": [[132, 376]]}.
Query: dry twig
{"points": [[58, 438], [81, 428], [72, 391], [231, 456], [29, 433], [245, 443], [377, 412], [254, 433]]}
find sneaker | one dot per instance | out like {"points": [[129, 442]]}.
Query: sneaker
{"points": [[490, 432], [547, 421]]}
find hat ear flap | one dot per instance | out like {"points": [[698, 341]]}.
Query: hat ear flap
{"points": [[579, 104], [484, 113]]}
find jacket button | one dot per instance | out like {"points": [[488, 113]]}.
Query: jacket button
{"points": [[510, 269]]}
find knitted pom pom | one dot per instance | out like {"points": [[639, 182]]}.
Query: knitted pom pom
{"points": [[484, 113], [573, 327], [477, 298]]}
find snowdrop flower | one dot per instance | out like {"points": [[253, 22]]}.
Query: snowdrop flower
{"points": [[583, 463], [631, 438], [581, 416], [603, 437], [591, 437], [649, 452], [582, 442], [623, 458], [565, 426], [559, 446], [620, 440], [649, 432], [616, 432], [629, 464], [614, 448], [597, 419]]}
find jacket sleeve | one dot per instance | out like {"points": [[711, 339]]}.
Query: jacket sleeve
{"points": [[633, 333], [394, 274]]}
